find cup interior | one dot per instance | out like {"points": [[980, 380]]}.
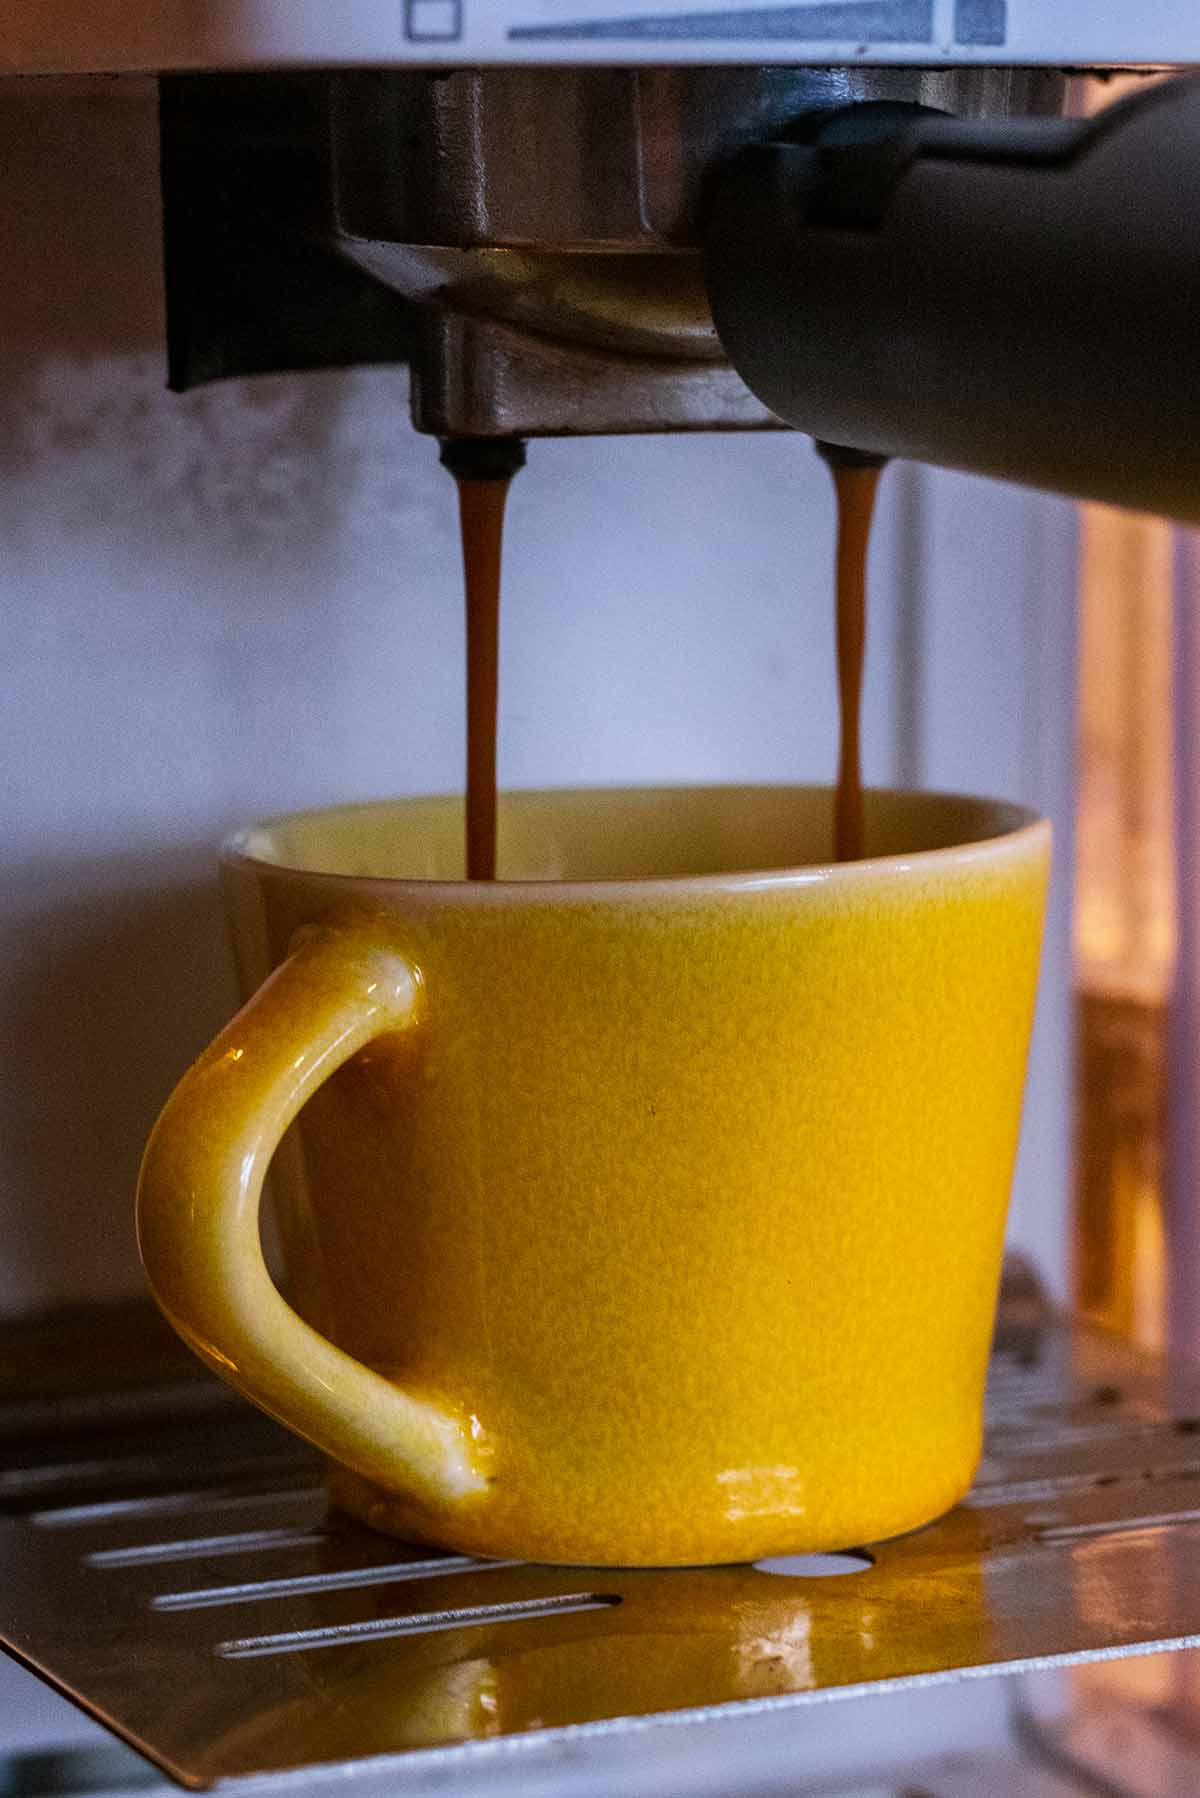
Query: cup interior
{"points": [[614, 833]]}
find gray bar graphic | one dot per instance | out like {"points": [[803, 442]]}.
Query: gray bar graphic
{"points": [[841, 21]]}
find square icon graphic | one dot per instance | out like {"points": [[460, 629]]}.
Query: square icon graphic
{"points": [[433, 21]]}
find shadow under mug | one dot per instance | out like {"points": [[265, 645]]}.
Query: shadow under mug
{"points": [[644, 1206]]}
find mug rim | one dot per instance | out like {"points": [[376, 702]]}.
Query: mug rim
{"points": [[1019, 827]]}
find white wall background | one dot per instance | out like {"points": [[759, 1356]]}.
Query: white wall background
{"points": [[247, 599]]}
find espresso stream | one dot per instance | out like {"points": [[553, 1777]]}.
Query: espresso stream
{"points": [[481, 516], [855, 488], [481, 504]]}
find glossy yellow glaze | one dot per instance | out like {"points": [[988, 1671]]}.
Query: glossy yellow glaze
{"points": [[656, 1220]]}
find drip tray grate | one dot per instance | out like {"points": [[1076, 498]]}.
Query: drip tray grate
{"points": [[186, 1584]]}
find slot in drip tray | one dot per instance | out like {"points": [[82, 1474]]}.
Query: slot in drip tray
{"points": [[182, 1579]]}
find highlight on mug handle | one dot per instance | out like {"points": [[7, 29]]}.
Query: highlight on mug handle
{"points": [[198, 1214]]}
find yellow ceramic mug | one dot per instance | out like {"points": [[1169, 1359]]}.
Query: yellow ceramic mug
{"points": [[647, 1204]]}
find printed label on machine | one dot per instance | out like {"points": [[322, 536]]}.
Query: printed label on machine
{"points": [[222, 34]]}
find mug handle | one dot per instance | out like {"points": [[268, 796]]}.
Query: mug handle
{"points": [[198, 1206]]}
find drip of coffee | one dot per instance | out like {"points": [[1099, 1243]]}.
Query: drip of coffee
{"points": [[483, 468], [855, 481]]}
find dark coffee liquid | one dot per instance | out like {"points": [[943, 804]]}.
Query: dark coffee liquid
{"points": [[481, 502], [855, 488], [481, 515]]}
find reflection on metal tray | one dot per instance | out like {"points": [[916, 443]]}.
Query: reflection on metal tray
{"points": [[184, 1582]]}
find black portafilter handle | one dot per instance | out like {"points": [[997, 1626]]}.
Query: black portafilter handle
{"points": [[1018, 298]]}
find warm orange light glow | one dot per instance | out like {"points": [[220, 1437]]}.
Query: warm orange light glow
{"points": [[1125, 902], [1124, 915]]}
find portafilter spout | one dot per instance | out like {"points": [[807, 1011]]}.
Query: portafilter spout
{"points": [[1018, 298]]}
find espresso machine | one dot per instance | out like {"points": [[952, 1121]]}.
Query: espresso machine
{"points": [[590, 219]]}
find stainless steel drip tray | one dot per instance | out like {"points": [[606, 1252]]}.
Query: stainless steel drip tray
{"points": [[207, 1606]]}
